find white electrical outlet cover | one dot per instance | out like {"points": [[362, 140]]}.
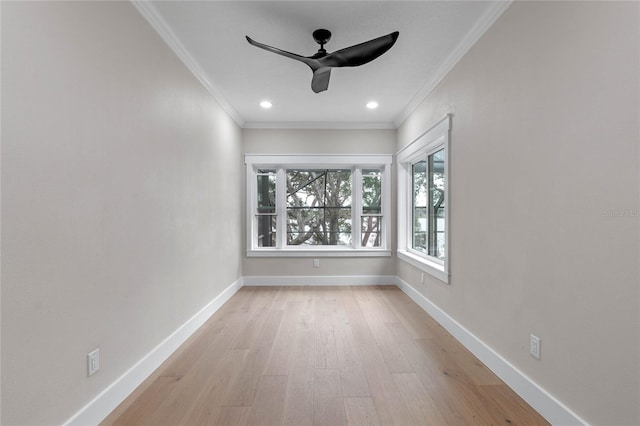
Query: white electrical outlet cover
{"points": [[534, 346], [93, 362]]}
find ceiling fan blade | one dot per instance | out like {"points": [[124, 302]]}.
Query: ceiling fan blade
{"points": [[320, 81], [360, 54], [313, 63]]}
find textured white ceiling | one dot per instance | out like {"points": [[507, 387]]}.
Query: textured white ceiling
{"points": [[209, 36]]}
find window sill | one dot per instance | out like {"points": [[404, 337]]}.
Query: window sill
{"points": [[431, 268], [318, 252]]}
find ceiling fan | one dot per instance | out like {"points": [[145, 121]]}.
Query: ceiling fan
{"points": [[322, 62]]}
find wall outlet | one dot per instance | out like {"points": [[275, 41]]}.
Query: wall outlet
{"points": [[93, 362], [316, 263], [422, 278], [534, 346]]}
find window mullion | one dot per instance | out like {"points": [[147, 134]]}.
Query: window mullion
{"points": [[281, 208], [385, 205], [447, 204], [356, 208], [410, 203], [251, 208], [410, 207]]}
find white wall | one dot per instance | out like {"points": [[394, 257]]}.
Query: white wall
{"points": [[263, 141], [545, 143], [122, 191], [121, 198]]}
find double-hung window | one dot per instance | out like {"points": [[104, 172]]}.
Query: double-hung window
{"points": [[318, 205], [423, 201]]}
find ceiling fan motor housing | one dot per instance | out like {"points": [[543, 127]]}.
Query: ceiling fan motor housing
{"points": [[322, 36]]}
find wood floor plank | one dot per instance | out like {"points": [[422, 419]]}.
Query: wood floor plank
{"points": [[325, 342], [417, 322], [214, 332], [352, 376], [417, 400], [448, 386], [458, 360], [298, 410], [322, 356], [378, 314], [328, 406], [281, 298], [437, 370], [386, 397], [230, 416], [298, 407], [361, 412], [462, 404], [207, 406], [250, 331], [268, 406], [146, 403], [511, 408], [242, 392], [280, 358], [180, 401], [326, 383], [372, 299]]}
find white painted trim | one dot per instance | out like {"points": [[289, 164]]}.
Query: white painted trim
{"points": [[548, 406], [149, 12], [424, 264], [151, 15], [437, 137], [429, 140], [317, 251], [327, 280], [280, 162], [300, 160], [542, 401], [103, 404], [481, 26], [319, 125]]}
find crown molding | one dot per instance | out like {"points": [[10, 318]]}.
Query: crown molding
{"points": [[151, 15], [481, 26], [318, 126], [163, 29]]}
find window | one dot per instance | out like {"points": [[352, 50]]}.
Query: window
{"points": [[371, 218], [423, 198], [266, 207], [428, 213], [318, 205]]}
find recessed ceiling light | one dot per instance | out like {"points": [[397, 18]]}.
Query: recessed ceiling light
{"points": [[372, 105], [266, 104]]}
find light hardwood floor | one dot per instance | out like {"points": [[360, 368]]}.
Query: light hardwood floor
{"points": [[322, 356]]}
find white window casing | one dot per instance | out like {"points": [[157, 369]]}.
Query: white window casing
{"points": [[282, 163], [433, 140]]}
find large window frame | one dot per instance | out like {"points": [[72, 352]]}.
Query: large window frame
{"points": [[435, 139], [279, 164]]}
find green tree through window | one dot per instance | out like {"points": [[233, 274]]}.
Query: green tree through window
{"points": [[319, 207]]}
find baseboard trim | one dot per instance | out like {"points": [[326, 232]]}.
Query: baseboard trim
{"points": [[103, 404], [548, 406], [334, 280], [544, 403]]}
